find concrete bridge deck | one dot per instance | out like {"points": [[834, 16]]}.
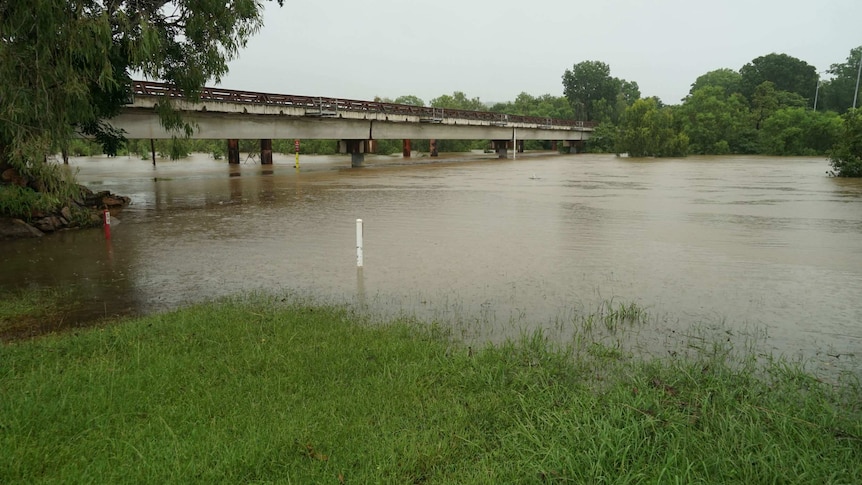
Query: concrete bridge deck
{"points": [[230, 114]]}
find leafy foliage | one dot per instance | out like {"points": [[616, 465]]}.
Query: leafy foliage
{"points": [[64, 66], [837, 94], [786, 72], [799, 131], [714, 122], [594, 94], [846, 157], [647, 130]]}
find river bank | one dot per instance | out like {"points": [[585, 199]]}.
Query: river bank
{"points": [[271, 389]]}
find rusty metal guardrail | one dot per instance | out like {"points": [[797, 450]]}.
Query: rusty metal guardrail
{"points": [[327, 107]]}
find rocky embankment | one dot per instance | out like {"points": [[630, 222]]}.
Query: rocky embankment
{"points": [[82, 211]]}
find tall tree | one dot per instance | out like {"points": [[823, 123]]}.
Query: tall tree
{"points": [[65, 65], [837, 93], [716, 123], [594, 93], [647, 130], [786, 72], [727, 79]]}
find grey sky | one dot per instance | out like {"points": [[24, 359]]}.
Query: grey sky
{"points": [[495, 50]]}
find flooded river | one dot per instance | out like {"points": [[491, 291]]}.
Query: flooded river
{"points": [[496, 247]]}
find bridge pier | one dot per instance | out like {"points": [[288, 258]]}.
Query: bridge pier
{"points": [[501, 147], [432, 147], [405, 150], [233, 151], [357, 150], [266, 151], [574, 146], [520, 146]]}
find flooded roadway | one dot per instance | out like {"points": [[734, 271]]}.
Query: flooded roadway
{"points": [[494, 247]]}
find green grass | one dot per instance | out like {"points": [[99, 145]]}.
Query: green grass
{"points": [[27, 311], [259, 391]]}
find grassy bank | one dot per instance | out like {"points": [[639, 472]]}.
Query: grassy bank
{"points": [[258, 392], [28, 312]]}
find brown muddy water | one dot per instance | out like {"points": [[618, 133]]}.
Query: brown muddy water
{"points": [[767, 248]]}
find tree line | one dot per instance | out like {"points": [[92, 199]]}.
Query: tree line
{"points": [[774, 105]]}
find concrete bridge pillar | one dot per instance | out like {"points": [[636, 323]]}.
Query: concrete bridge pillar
{"points": [[233, 151], [432, 147], [405, 151], [356, 149], [266, 151], [574, 146], [501, 147]]}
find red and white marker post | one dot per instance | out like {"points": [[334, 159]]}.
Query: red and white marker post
{"points": [[106, 217]]}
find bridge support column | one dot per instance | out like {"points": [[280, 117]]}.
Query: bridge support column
{"points": [[432, 147], [554, 145], [266, 151], [501, 147], [356, 149], [520, 146], [574, 146], [233, 151], [405, 151]]}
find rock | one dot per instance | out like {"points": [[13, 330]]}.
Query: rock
{"points": [[112, 200], [11, 176], [48, 224], [66, 213], [17, 229]]}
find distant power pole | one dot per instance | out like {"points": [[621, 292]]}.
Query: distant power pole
{"points": [[859, 73]]}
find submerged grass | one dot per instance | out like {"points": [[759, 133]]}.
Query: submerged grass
{"points": [[259, 392], [28, 311]]}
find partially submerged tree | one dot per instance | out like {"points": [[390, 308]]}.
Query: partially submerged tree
{"points": [[65, 66], [846, 157], [647, 130]]}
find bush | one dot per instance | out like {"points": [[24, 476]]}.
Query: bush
{"points": [[23, 202], [846, 155]]}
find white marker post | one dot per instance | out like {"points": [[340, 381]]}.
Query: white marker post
{"points": [[359, 243]]}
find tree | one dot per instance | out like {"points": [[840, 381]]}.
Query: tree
{"points": [[594, 94], [837, 93], [799, 131], [767, 100], [846, 156], [410, 99], [646, 130], [546, 106], [727, 79], [458, 100], [786, 72], [65, 65], [715, 123]]}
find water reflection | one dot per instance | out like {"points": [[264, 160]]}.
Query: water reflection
{"points": [[496, 246]]}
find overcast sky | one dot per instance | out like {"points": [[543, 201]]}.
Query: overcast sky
{"points": [[495, 50]]}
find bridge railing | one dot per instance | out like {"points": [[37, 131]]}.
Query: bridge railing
{"points": [[320, 106]]}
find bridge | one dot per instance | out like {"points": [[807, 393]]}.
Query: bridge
{"points": [[233, 115]]}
